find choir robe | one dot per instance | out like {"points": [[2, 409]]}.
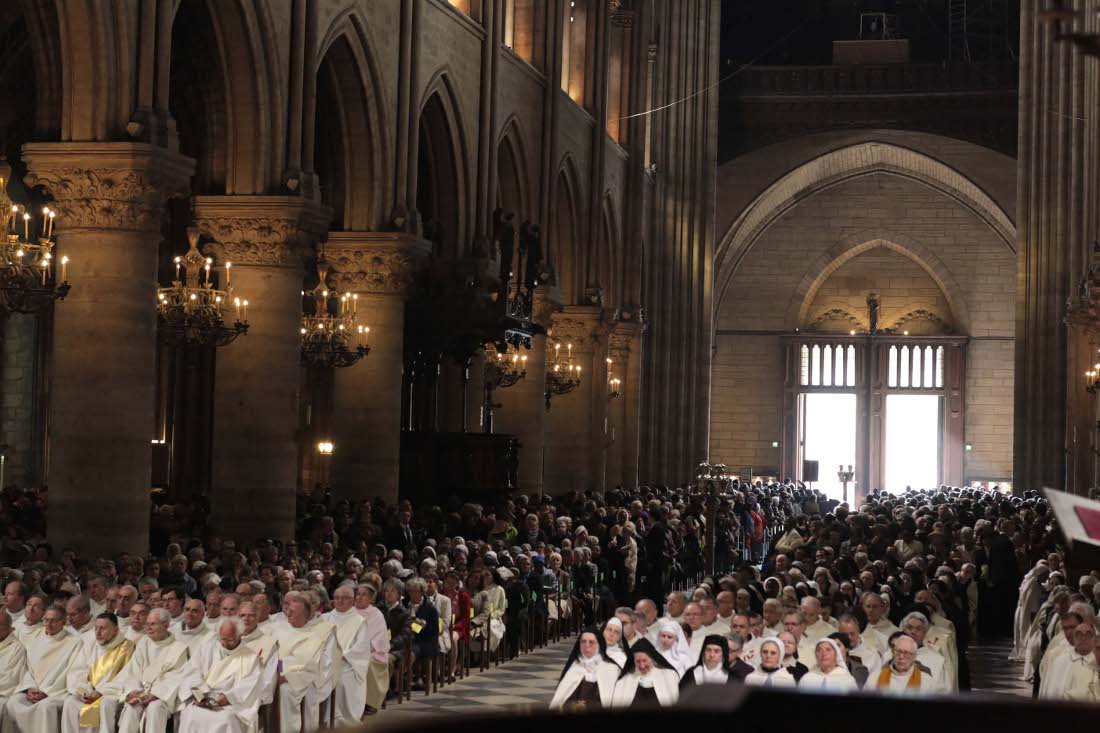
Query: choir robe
{"points": [[899, 684], [937, 667], [355, 649], [1070, 676], [875, 639], [1058, 646], [818, 630], [868, 657], [215, 670], [1031, 597], [13, 665], [96, 669], [839, 681], [268, 650], [885, 629], [666, 683], [26, 632], [309, 657], [378, 673], [194, 638], [48, 662], [154, 669], [779, 678], [942, 639], [607, 675]]}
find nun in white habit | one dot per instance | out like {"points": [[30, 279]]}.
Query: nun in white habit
{"points": [[648, 680], [613, 641], [771, 672], [588, 678], [673, 646], [829, 673]]}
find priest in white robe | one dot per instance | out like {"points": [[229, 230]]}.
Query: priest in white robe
{"points": [[1031, 596], [135, 626], [1073, 675], [265, 647], [879, 628], [902, 676], [13, 661], [15, 598], [36, 705], [93, 704], [355, 648], [29, 624], [816, 627], [79, 612], [192, 629], [916, 626], [308, 653], [150, 683], [220, 685], [378, 634]]}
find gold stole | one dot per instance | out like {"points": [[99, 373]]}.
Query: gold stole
{"points": [[912, 684], [106, 667]]}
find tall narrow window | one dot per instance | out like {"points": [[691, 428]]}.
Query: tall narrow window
{"points": [[618, 78], [892, 367], [804, 365], [574, 57], [523, 30]]}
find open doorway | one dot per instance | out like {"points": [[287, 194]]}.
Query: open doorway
{"points": [[829, 436], [913, 441]]}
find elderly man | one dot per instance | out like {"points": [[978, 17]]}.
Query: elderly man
{"points": [[878, 631], [92, 704], [124, 605], [214, 608], [773, 617], [1073, 675], [902, 676], [915, 626], [149, 685], [135, 630], [266, 647], [724, 603], [750, 647], [30, 624], [97, 594], [355, 647], [191, 629], [173, 601], [675, 605], [15, 598], [816, 627], [692, 620], [79, 613], [308, 653], [378, 673], [36, 705], [646, 612], [13, 661], [794, 623], [859, 650], [220, 685], [262, 608]]}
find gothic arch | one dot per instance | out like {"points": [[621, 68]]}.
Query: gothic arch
{"points": [[351, 146], [513, 173], [608, 252], [856, 244], [442, 175], [844, 164], [565, 254]]}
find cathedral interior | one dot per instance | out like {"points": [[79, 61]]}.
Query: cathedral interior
{"points": [[265, 249]]}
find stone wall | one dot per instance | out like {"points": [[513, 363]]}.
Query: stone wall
{"points": [[18, 395]]}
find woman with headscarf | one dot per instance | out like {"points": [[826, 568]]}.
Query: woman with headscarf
{"points": [[713, 667], [648, 680], [771, 672], [829, 673], [588, 679], [615, 647], [673, 645]]}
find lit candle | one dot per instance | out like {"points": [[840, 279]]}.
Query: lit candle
{"points": [[207, 268], [237, 302], [569, 348], [366, 335], [49, 231], [355, 304], [26, 227], [11, 222], [65, 268], [45, 222], [228, 267], [244, 309], [45, 266], [177, 261]]}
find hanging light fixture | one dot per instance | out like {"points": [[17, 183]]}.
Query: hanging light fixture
{"points": [[562, 377], [30, 278], [330, 335], [614, 384], [192, 312]]}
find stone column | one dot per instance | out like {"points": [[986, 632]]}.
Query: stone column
{"points": [[366, 420], [522, 411], [569, 436], [258, 377], [624, 348], [110, 199]]}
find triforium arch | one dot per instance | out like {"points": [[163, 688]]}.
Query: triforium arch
{"points": [[844, 164], [566, 255], [513, 179], [442, 175], [798, 310], [352, 130], [602, 270]]}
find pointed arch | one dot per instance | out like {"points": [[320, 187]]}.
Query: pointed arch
{"points": [[513, 179], [352, 132], [856, 244], [844, 164], [443, 180], [604, 273], [565, 255]]}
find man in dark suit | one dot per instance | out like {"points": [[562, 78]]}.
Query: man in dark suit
{"points": [[402, 535]]}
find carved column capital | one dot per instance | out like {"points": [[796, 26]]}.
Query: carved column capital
{"points": [[260, 231], [117, 186], [380, 263], [577, 325]]}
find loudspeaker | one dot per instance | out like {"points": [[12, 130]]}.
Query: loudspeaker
{"points": [[809, 471]]}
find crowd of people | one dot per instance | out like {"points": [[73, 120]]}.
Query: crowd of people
{"points": [[283, 635]]}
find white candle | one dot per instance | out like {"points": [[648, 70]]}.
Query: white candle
{"points": [[64, 268], [228, 267]]}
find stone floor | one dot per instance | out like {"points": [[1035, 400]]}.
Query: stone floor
{"points": [[528, 683]]}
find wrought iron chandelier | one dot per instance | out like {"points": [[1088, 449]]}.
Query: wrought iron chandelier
{"points": [[192, 312], [504, 371], [562, 377], [330, 335], [29, 279]]}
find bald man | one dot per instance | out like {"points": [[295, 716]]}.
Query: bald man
{"points": [[816, 627], [149, 685]]}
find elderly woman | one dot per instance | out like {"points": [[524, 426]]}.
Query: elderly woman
{"points": [[673, 645], [648, 680], [614, 646], [588, 678], [771, 672], [829, 674], [713, 667]]}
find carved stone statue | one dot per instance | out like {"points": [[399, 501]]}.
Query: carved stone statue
{"points": [[872, 312]]}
